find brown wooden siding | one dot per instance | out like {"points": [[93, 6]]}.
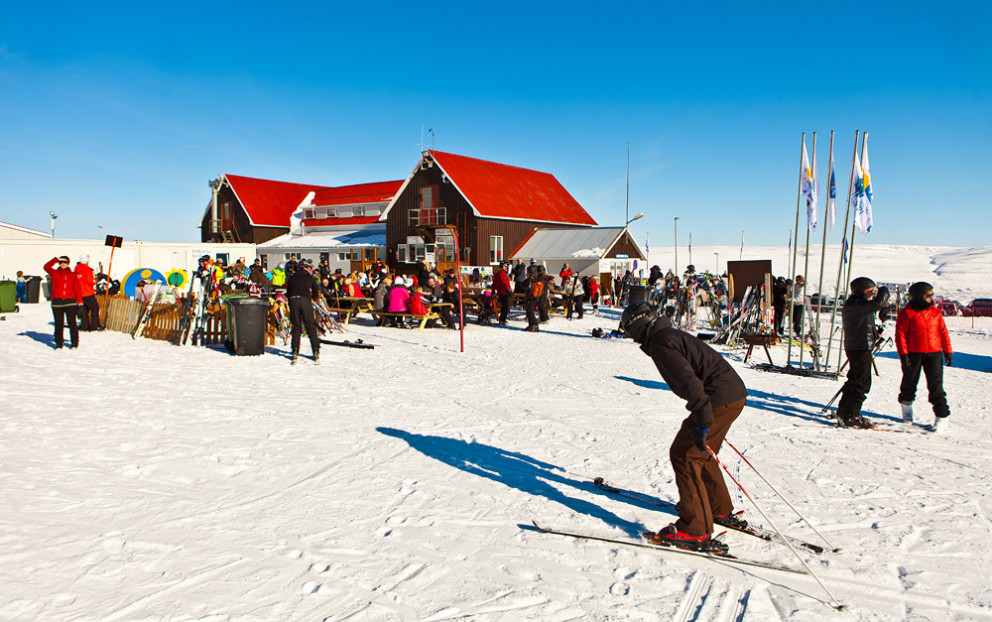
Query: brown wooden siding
{"points": [[241, 227], [625, 246], [473, 232]]}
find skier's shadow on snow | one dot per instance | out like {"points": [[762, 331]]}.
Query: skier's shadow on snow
{"points": [[513, 469], [770, 402], [47, 339]]}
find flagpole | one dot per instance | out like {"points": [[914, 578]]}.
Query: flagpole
{"points": [[843, 253], [854, 228], [795, 247], [802, 333], [741, 256], [823, 246]]}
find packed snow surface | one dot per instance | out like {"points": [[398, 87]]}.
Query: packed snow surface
{"points": [[144, 481]]}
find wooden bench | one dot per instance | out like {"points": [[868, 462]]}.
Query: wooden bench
{"points": [[418, 318], [357, 305]]}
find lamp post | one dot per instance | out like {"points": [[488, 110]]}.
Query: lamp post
{"points": [[676, 246], [53, 216], [717, 264]]}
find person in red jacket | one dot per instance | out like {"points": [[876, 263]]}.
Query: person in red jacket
{"points": [[502, 289], [923, 342], [87, 283], [66, 299]]}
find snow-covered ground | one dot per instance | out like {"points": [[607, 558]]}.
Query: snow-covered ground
{"points": [[143, 481]]}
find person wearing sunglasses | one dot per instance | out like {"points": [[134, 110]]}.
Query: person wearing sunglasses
{"points": [[923, 342], [66, 300], [860, 335]]}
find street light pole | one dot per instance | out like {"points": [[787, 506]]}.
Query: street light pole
{"points": [[676, 246], [53, 216], [717, 264]]}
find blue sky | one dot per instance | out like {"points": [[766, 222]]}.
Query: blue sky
{"points": [[116, 116]]}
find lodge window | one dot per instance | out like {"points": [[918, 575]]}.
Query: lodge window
{"points": [[289, 256], [495, 249], [429, 213]]}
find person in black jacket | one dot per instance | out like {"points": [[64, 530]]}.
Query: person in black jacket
{"points": [[860, 335], [302, 290], [519, 277], [715, 395]]}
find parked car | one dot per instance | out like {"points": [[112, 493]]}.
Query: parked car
{"points": [[981, 307], [951, 307], [815, 301]]}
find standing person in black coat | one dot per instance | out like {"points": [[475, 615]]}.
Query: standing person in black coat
{"points": [[858, 318], [780, 289], [534, 293], [715, 396], [302, 290], [519, 275]]}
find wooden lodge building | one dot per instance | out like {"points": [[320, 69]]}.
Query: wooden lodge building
{"points": [[485, 209]]}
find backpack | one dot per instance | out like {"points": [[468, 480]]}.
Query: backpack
{"points": [[536, 288]]}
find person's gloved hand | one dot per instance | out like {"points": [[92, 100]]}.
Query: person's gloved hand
{"points": [[698, 436], [904, 358], [947, 359]]}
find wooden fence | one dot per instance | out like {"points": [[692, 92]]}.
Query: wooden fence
{"points": [[164, 318]]}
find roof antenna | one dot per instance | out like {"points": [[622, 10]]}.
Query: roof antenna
{"points": [[421, 139], [431, 132]]}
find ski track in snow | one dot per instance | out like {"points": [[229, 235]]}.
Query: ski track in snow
{"points": [[145, 481]]}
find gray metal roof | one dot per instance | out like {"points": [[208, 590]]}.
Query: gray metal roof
{"points": [[587, 243]]}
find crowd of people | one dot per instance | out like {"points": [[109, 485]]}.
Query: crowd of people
{"points": [[715, 394]]}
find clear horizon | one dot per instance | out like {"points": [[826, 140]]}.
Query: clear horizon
{"points": [[117, 117]]}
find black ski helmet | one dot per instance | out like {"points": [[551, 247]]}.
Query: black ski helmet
{"points": [[859, 285], [917, 291], [637, 319]]}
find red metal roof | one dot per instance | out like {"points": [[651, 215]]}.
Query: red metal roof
{"points": [[377, 192], [267, 202], [504, 191], [272, 203]]}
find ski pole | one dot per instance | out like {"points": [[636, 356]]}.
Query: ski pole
{"points": [[770, 485], [837, 605]]}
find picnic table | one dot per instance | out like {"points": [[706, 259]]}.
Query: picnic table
{"points": [[347, 306]]}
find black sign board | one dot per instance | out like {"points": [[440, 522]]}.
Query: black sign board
{"points": [[113, 240]]}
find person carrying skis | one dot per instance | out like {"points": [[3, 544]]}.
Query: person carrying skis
{"points": [[858, 320], [715, 395], [922, 341], [302, 290]]}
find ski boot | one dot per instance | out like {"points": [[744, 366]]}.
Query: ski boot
{"points": [[857, 422], [296, 356], [939, 426], [316, 359], [671, 536], [731, 520], [907, 411]]}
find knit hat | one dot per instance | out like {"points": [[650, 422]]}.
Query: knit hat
{"points": [[860, 284], [918, 290], [84, 258]]}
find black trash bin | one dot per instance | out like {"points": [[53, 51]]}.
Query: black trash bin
{"points": [[636, 294], [32, 289], [246, 325]]}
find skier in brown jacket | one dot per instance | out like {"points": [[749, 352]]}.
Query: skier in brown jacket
{"points": [[715, 396]]}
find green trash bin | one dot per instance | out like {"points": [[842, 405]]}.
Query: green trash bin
{"points": [[8, 297]]}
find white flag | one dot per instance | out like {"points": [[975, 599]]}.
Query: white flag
{"points": [[806, 183], [812, 199], [832, 191], [862, 193]]}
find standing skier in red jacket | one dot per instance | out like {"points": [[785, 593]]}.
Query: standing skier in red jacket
{"points": [[87, 283], [66, 299], [923, 342]]}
